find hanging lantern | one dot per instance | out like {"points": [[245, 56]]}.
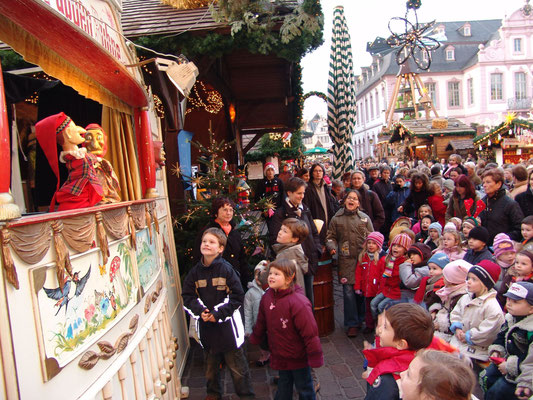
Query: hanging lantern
{"points": [[232, 112]]}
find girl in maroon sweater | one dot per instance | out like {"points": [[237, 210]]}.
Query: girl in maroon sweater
{"points": [[286, 317]]}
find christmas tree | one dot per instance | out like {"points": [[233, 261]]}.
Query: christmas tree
{"points": [[218, 181]]}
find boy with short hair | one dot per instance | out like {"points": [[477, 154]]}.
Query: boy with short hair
{"points": [[513, 374], [212, 294], [403, 330], [289, 246], [477, 243], [527, 233]]}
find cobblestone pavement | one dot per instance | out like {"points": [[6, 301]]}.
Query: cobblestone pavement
{"points": [[340, 377]]}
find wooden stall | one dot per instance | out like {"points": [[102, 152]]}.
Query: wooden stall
{"points": [[510, 142], [426, 138]]}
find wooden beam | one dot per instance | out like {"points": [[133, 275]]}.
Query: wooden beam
{"points": [[252, 142]]}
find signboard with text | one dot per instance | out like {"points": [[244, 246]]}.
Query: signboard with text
{"points": [[98, 20]]}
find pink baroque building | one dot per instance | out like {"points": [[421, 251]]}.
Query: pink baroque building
{"points": [[482, 71]]}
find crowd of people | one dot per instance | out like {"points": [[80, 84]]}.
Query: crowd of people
{"points": [[435, 258]]}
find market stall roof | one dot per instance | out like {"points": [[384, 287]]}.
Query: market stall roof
{"points": [[260, 86], [46, 38], [503, 128], [316, 150], [423, 128], [462, 144]]}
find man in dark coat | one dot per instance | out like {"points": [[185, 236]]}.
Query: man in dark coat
{"points": [[383, 186], [293, 207]]}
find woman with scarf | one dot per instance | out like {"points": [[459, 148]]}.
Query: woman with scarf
{"points": [[464, 190], [319, 199], [370, 203], [502, 214]]}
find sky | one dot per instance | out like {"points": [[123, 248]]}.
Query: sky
{"points": [[368, 19]]}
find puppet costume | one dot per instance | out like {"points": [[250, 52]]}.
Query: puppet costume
{"points": [[82, 188]]}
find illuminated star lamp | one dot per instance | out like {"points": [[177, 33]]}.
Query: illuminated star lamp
{"points": [[413, 42]]}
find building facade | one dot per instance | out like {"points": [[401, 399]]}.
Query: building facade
{"points": [[482, 71]]}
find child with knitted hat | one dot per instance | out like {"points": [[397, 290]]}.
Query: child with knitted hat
{"points": [[477, 317], [413, 270], [271, 186], [454, 275], [469, 223], [521, 270], [371, 262], [429, 285], [504, 252], [511, 376], [477, 243], [434, 235], [389, 285]]}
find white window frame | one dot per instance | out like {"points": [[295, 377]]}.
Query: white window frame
{"points": [[450, 54], [454, 94], [520, 49], [432, 93], [520, 88], [470, 90], [496, 88]]}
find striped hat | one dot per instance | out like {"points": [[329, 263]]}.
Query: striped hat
{"points": [[402, 240]]}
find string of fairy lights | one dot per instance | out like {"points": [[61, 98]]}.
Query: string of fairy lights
{"points": [[211, 101]]}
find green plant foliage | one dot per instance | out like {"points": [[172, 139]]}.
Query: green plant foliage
{"points": [[216, 182], [254, 28], [274, 148], [12, 60]]}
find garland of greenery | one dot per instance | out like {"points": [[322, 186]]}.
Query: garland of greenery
{"points": [[502, 128], [252, 28], [274, 148]]}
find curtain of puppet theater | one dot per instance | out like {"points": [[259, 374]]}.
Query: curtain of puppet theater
{"points": [[121, 152]]}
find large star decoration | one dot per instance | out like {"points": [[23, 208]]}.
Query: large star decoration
{"points": [[412, 42], [509, 118]]}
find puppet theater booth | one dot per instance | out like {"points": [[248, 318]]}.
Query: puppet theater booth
{"points": [[90, 300], [428, 138], [511, 142]]}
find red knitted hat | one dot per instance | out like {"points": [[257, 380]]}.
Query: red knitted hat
{"points": [[46, 131], [487, 271]]}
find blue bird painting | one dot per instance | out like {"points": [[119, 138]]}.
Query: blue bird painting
{"points": [[62, 296]]}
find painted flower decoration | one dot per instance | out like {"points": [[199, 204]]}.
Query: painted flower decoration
{"points": [[89, 312], [413, 42]]}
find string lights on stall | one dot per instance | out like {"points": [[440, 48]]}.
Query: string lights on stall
{"points": [[213, 100]]}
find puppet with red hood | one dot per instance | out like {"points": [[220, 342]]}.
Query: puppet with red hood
{"points": [[82, 188]]}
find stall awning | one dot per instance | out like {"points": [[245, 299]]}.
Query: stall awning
{"points": [[45, 37], [463, 144]]}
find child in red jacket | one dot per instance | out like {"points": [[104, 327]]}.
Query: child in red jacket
{"points": [[370, 265], [285, 314], [389, 285]]}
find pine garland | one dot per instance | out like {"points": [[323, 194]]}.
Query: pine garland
{"points": [[254, 28]]}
